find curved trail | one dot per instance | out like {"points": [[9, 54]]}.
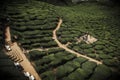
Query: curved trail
{"points": [[67, 49]]}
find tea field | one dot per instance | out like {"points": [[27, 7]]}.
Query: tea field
{"points": [[33, 23]]}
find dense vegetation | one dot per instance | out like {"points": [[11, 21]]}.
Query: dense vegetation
{"points": [[99, 21], [57, 64], [33, 25], [34, 22]]}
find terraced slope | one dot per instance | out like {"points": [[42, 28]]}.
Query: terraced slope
{"points": [[99, 21], [57, 64], [33, 23], [67, 49]]}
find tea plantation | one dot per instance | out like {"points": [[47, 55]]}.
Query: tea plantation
{"points": [[57, 64], [33, 23]]}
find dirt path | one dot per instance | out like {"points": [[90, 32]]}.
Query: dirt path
{"points": [[39, 49], [67, 49], [7, 34], [17, 55], [25, 62]]}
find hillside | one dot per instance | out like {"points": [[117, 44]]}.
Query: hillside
{"points": [[33, 23]]}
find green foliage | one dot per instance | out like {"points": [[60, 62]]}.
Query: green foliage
{"points": [[90, 50], [79, 74], [63, 70], [76, 48], [111, 62], [36, 21], [73, 64], [48, 75], [55, 50], [92, 55], [69, 57], [105, 56], [88, 67], [34, 55], [102, 72], [85, 46], [98, 47], [80, 60], [110, 49], [45, 60], [100, 43]]}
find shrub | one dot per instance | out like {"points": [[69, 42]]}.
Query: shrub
{"points": [[76, 48], [102, 72], [42, 61], [52, 44], [100, 52], [65, 78], [108, 50], [98, 47], [80, 60], [85, 46], [20, 28], [100, 43], [55, 50], [34, 55], [19, 23], [69, 57], [50, 57], [110, 62], [63, 71], [48, 75], [43, 68], [104, 56], [79, 74], [90, 50], [56, 63], [73, 64], [92, 55], [89, 67], [60, 54], [27, 46], [111, 48]]}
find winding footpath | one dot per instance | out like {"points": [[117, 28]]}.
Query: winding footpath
{"points": [[67, 49]]}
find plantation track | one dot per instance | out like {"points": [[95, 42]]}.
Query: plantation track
{"points": [[67, 49], [40, 49], [25, 63]]}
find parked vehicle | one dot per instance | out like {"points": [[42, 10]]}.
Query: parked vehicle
{"points": [[18, 66], [30, 76], [8, 47], [27, 74]]}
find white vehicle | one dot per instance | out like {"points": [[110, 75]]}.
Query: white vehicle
{"points": [[31, 77], [16, 63], [27, 74], [8, 48], [18, 66]]}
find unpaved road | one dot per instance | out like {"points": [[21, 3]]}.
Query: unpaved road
{"points": [[67, 49], [25, 63]]}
